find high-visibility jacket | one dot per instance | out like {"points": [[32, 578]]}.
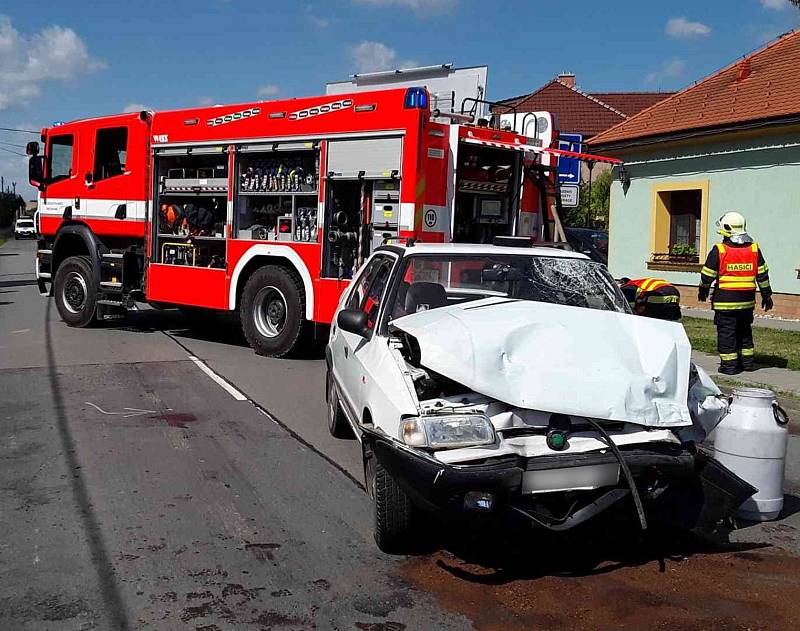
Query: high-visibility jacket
{"points": [[653, 297], [738, 269]]}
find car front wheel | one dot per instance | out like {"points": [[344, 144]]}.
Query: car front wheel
{"points": [[392, 507]]}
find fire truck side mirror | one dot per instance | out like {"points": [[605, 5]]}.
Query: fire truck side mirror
{"points": [[36, 170]]}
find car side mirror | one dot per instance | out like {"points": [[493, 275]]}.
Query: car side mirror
{"points": [[353, 321]]}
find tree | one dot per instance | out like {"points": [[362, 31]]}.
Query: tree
{"points": [[10, 205], [592, 213]]}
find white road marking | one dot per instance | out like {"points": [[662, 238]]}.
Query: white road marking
{"points": [[21, 331], [220, 381]]}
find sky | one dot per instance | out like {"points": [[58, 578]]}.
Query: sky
{"points": [[62, 60]]}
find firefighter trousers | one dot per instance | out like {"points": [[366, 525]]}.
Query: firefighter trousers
{"points": [[735, 337]]}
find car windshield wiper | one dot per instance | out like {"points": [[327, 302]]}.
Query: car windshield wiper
{"points": [[492, 304]]}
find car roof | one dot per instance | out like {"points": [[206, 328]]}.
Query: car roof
{"points": [[479, 248]]}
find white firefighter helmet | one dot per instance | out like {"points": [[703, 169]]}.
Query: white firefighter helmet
{"points": [[731, 224]]}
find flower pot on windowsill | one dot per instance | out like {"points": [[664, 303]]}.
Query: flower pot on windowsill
{"points": [[666, 261]]}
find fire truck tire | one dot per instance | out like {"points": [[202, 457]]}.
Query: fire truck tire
{"points": [[75, 292], [272, 311]]}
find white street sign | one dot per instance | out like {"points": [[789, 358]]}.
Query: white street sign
{"points": [[570, 195]]}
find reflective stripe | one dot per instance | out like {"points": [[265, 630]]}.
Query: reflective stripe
{"points": [[748, 352], [651, 284], [764, 284], [708, 272], [732, 306], [661, 299], [737, 284], [729, 357], [721, 248], [763, 269], [754, 247]]}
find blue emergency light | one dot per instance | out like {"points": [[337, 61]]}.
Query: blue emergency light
{"points": [[416, 99]]}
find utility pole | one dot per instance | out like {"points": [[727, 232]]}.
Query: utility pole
{"points": [[14, 185]]}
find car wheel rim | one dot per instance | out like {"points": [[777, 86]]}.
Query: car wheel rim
{"points": [[74, 293], [269, 311]]}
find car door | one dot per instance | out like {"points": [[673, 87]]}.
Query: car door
{"points": [[349, 350]]}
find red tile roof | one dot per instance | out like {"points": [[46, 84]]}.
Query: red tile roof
{"points": [[631, 102], [580, 112], [764, 85]]}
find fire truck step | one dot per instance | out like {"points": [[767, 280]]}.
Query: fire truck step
{"points": [[110, 284]]}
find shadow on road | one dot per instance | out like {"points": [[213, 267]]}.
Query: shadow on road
{"points": [[18, 283], [220, 328], [601, 547], [109, 591]]}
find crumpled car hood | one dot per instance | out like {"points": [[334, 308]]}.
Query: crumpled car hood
{"points": [[563, 359]]}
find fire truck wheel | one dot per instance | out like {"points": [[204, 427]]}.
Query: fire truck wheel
{"points": [[75, 292], [272, 311]]}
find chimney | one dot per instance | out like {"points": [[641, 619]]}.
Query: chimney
{"points": [[567, 78]]}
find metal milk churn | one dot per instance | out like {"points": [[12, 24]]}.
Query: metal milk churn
{"points": [[751, 441]]}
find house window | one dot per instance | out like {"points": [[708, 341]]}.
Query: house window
{"points": [[110, 152], [685, 210], [679, 222]]}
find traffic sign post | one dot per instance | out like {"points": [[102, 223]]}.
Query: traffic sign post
{"points": [[569, 168]]}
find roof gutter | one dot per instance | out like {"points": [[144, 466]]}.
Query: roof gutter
{"points": [[689, 134]]}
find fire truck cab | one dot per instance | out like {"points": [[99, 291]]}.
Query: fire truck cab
{"points": [[268, 208]]}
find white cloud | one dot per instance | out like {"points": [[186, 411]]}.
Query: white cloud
{"points": [[374, 56], [670, 69], [775, 5], [316, 20], [268, 90], [135, 107], [28, 61], [422, 8], [682, 28]]}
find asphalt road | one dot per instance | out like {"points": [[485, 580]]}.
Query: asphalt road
{"points": [[137, 493]]}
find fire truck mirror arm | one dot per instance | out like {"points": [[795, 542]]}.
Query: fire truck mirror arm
{"points": [[265, 254]]}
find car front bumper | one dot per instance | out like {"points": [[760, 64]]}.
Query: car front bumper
{"points": [[24, 235], [681, 479]]}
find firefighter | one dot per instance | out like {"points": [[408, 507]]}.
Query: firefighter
{"points": [[738, 267], [652, 297]]}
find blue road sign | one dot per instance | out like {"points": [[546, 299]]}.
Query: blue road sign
{"points": [[569, 169]]}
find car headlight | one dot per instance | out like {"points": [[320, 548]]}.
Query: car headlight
{"points": [[447, 432]]}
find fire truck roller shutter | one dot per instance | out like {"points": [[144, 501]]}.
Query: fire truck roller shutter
{"points": [[274, 252], [375, 158]]}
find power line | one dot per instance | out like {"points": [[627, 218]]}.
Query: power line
{"points": [[11, 144], [16, 153], [21, 131]]}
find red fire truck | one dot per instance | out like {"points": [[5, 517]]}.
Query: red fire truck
{"points": [[267, 208]]}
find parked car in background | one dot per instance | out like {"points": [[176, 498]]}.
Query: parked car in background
{"points": [[486, 381], [592, 243], [24, 228]]}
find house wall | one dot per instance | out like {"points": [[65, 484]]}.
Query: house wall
{"points": [[760, 179]]}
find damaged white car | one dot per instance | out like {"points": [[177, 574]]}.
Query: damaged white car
{"points": [[487, 381]]}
